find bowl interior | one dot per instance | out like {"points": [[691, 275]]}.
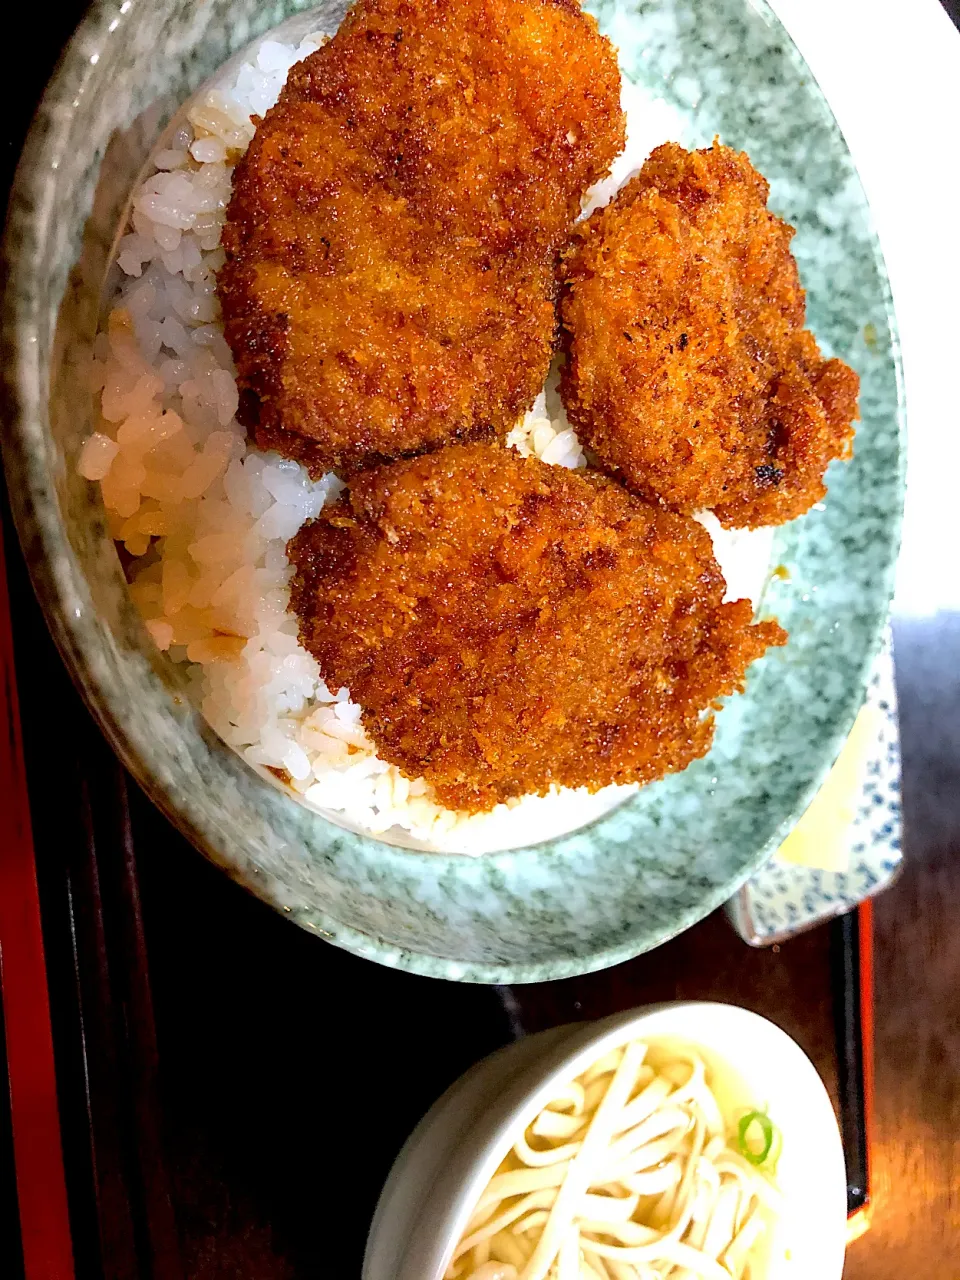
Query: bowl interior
{"points": [[677, 850]]}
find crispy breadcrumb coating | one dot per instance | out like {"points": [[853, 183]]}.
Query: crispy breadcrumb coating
{"points": [[508, 625], [391, 242], [689, 371]]}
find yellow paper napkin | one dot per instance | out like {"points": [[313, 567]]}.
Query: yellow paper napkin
{"points": [[821, 837]]}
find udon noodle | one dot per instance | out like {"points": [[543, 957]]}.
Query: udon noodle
{"points": [[627, 1173]]}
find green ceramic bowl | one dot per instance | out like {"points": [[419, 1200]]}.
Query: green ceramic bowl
{"points": [[683, 845]]}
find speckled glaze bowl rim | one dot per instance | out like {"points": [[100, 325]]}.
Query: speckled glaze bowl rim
{"points": [[39, 523]]}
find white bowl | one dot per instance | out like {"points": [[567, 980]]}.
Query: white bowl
{"points": [[455, 1150]]}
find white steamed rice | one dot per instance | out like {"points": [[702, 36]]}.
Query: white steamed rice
{"points": [[206, 516]]}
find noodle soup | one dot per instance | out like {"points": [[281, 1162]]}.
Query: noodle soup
{"points": [[653, 1162], [560, 1113]]}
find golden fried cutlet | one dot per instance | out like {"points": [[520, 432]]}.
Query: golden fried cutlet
{"points": [[689, 371], [507, 625], [392, 236]]}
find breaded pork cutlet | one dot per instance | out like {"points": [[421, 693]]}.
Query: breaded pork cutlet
{"points": [[393, 232], [689, 371], [508, 625]]}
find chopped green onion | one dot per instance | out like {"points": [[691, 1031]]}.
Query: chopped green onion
{"points": [[768, 1129]]}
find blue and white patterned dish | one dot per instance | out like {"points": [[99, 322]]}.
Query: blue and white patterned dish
{"points": [[782, 898], [682, 846]]}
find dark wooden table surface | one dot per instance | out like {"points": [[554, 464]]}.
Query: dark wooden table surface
{"points": [[916, 1227], [252, 1016], [916, 1147]]}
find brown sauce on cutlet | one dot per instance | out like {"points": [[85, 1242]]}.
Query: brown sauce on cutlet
{"points": [[508, 626], [392, 237], [690, 374]]}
